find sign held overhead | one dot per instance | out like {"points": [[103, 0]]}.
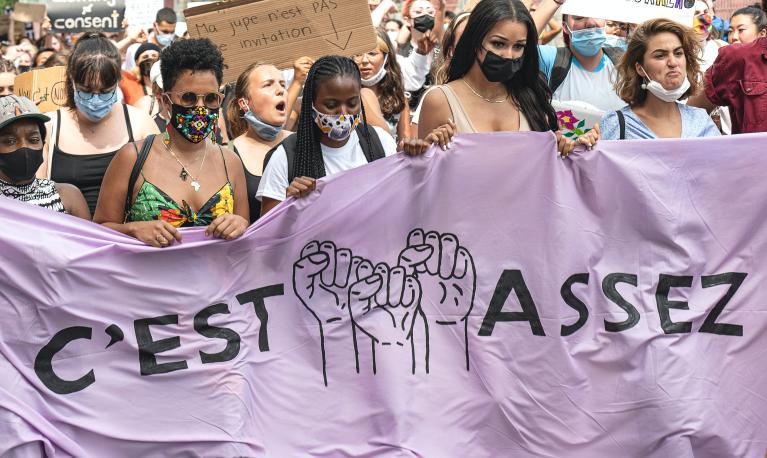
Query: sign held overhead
{"points": [[278, 32], [633, 11]]}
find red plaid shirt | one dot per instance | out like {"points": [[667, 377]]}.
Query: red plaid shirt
{"points": [[738, 80]]}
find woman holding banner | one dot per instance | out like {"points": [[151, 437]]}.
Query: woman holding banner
{"points": [[660, 67], [94, 125], [257, 115], [183, 179], [493, 80], [333, 135]]}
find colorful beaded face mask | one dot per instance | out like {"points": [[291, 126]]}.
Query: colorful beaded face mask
{"points": [[194, 123], [336, 127]]}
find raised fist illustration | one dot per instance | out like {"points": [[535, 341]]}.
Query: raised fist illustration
{"points": [[384, 307], [322, 278], [447, 275]]}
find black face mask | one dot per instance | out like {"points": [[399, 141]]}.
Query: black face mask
{"points": [[499, 69], [423, 23], [22, 164], [145, 66], [24, 68]]}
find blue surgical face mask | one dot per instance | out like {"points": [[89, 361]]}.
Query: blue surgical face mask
{"points": [[165, 39], [588, 42], [264, 130], [95, 106], [616, 42]]}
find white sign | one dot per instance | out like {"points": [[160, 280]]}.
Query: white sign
{"points": [[142, 14], [633, 11]]}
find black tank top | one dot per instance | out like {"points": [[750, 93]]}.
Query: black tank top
{"points": [[251, 182], [86, 171]]}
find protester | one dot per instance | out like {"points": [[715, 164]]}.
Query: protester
{"points": [[333, 135], [136, 83], [393, 27], [416, 55], [23, 62], [660, 67], [582, 70], [150, 103], [7, 77], [747, 24], [493, 79], [58, 59], [553, 27], [703, 25], [94, 126], [182, 179], [42, 56], [257, 116], [617, 34], [383, 94], [738, 80], [22, 132], [163, 34], [439, 72], [50, 41]]}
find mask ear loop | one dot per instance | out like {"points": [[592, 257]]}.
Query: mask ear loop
{"points": [[644, 78]]}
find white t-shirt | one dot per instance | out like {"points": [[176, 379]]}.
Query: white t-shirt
{"points": [[275, 180], [595, 88]]}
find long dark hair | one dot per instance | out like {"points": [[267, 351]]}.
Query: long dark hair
{"points": [[758, 15], [308, 160], [391, 90], [527, 88]]}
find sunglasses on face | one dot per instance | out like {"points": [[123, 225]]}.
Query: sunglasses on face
{"points": [[189, 99]]}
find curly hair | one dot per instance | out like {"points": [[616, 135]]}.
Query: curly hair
{"points": [[391, 90], [629, 83], [195, 54], [95, 61]]}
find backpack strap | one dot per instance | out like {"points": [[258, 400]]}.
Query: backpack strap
{"points": [[378, 150], [561, 68], [621, 124], [140, 160], [289, 144]]}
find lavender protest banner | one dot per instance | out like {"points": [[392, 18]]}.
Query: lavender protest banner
{"points": [[491, 300]]}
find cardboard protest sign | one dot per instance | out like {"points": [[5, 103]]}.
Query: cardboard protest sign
{"points": [[46, 87], [5, 24], [142, 14], [76, 16], [29, 12], [278, 32], [633, 11]]}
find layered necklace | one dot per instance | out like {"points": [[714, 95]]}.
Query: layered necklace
{"points": [[482, 96], [184, 169]]}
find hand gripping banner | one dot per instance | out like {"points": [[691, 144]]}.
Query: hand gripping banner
{"points": [[491, 300]]}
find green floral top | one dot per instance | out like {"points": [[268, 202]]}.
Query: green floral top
{"points": [[153, 204]]}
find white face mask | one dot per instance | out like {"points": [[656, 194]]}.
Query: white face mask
{"points": [[378, 76], [393, 36], [662, 93]]}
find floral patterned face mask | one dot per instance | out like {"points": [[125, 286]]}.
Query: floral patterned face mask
{"points": [[194, 123], [336, 127]]}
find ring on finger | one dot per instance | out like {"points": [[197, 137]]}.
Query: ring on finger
{"points": [[161, 240]]}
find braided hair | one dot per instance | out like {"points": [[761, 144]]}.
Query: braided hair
{"points": [[308, 159]]}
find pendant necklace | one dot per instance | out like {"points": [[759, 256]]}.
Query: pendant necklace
{"points": [[184, 173], [482, 96]]}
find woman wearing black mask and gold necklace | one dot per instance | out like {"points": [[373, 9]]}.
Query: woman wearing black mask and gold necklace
{"points": [[184, 178], [494, 84], [22, 134]]}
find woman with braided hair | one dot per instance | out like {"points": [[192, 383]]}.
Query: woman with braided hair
{"points": [[332, 135]]}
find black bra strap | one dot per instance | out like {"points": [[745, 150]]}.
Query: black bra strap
{"points": [[127, 123], [58, 127], [621, 124]]}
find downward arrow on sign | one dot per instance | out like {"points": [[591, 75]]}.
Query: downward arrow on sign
{"points": [[337, 42]]}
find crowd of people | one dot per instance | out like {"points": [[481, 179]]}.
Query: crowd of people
{"points": [[155, 139]]}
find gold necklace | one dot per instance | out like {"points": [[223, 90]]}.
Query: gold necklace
{"points": [[195, 183], [482, 96]]}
